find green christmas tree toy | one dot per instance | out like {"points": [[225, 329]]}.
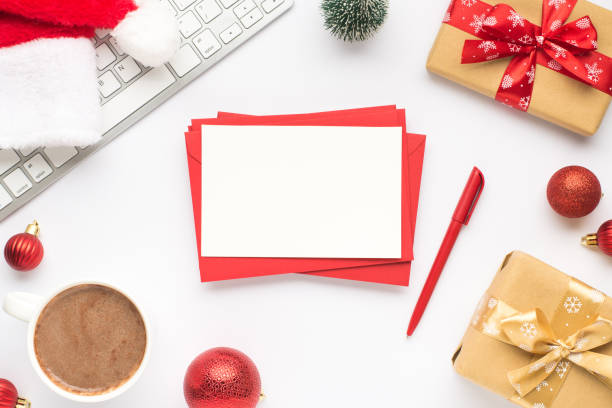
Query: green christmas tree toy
{"points": [[354, 20]]}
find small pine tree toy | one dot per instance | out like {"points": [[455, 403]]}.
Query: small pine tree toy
{"points": [[354, 20]]}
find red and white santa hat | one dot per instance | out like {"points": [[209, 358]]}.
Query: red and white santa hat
{"points": [[48, 71]]}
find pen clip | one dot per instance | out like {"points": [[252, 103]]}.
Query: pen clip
{"points": [[469, 198]]}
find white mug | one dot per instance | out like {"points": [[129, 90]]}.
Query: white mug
{"points": [[27, 307]]}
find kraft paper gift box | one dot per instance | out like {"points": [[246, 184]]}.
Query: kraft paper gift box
{"points": [[521, 285], [556, 97]]}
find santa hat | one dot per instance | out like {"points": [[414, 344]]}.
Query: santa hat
{"points": [[48, 71]]}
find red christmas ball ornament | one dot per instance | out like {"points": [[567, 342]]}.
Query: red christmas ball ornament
{"points": [[9, 397], [24, 251], [573, 191], [602, 239], [222, 377]]}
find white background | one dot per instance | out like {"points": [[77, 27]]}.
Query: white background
{"points": [[124, 216]]}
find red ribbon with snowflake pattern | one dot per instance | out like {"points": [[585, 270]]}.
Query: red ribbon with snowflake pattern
{"points": [[568, 48]]}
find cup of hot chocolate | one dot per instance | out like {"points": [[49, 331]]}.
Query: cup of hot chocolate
{"points": [[88, 342]]}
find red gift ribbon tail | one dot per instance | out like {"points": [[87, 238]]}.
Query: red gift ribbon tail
{"points": [[593, 69], [516, 86]]}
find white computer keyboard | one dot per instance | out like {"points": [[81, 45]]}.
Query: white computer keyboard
{"points": [[210, 29]]}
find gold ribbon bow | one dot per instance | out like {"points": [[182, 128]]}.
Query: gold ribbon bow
{"points": [[576, 329]]}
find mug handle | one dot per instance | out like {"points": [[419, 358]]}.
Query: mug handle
{"points": [[22, 305]]}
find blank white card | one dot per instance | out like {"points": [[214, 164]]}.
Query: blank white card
{"points": [[301, 192]]}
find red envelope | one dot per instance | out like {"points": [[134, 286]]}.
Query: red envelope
{"points": [[397, 272]]}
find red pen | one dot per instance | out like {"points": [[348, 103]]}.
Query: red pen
{"points": [[461, 217]]}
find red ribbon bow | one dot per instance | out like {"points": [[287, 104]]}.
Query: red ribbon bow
{"points": [[566, 48]]}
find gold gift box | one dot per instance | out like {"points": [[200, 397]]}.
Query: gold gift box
{"points": [[526, 283], [556, 97]]}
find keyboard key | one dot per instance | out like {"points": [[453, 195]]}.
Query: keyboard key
{"points": [[244, 8], [8, 158], [184, 60], [5, 198], [102, 33], [27, 151], [104, 56], [18, 182], [127, 69], [130, 99], [232, 32], [38, 168], [251, 18], [183, 4], [60, 155], [207, 43], [228, 3], [169, 6], [188, 24], [107, 84], [269, 5], [116, 46], [208, 10]]}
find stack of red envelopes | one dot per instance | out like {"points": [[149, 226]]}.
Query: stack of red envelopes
{"points": [[388, 271]]}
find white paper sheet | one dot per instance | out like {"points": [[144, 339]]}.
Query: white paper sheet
{"points": [[301, 192]]}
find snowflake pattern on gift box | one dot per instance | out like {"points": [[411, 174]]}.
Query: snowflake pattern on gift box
{"points": [[515, 48], [447, 17], [556, 3], [531, 75], [594, 44], [507, 82], [492, 57], [529, 330], [524, 102], [583, 23], [572, 304], [542, 385], [550, 367], [539, 405], [468, 3], [479, 21], [516, 19], [593, 72], [526, 39], [487, 46], [555, 25], [525, 347], [555, 65], [562, 368], [559, 51]]}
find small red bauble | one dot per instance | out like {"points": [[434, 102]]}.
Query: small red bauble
{"points": [[24, 251], [573, 191], [602, 239], [222, 377], [9, 397]]}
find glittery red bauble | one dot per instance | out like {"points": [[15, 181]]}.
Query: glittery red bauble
{"points": [[604, 237], [24, 251], [8, 394], [222, 378], [573, 191]]}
